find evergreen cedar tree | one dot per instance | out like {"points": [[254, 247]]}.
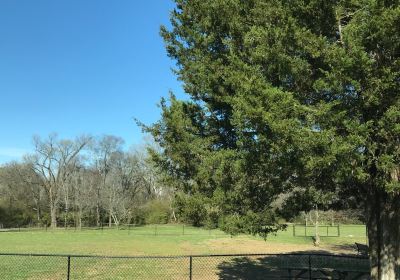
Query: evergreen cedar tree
{"points": [[286, 98]]}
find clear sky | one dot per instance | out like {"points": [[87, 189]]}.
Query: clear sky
{"points": [[80, 67]]}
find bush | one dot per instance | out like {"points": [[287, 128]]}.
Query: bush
{"points": [[212, 218], [191, 209], [138, 216], [15, 217], [157, 212], [232, 224]]}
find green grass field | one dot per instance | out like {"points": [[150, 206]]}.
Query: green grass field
{"points": [[165, 240], [161, 240]]}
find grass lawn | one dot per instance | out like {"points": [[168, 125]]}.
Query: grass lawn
{"points": [[167, 240], [162, 240]]}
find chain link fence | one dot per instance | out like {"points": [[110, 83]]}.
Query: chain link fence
{"points": [[250, 266], [131, 229]]}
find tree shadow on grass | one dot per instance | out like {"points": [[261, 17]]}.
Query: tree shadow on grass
{"points": [[247, 268], [348, 248], [294, 266]]}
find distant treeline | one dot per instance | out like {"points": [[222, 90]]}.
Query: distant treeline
{"points": [[93, 181], [87, 182]]}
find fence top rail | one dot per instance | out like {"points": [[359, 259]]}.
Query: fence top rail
{"points": [[320, 225], [184, 256], [328, 225]]}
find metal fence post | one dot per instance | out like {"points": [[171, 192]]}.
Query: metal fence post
{"points": [[294, 230], [69, 267], [338, 230], [309, 267], [183, 229], [190, 268]]}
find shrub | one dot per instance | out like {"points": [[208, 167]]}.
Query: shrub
{"points": [[138, 216], [157, 212], [191, 209]]}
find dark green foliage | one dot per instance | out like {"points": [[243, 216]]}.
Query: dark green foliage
{"points": [[156, 212], [212, 219], [138, 216], [254, 223], [306, 200], [285, 95], [191, 209], [15, 217]]}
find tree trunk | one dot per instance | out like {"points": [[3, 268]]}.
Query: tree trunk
{"points": [[53, 215], [316, 238], [66, 210], [115, 218], [80, 219], [110, 209], [173, 215], [306, 215], [53, 208], [37, 215], [97, 214], [110, 217], [384, 235]]}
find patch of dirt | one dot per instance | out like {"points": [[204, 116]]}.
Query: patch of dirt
{"points": [[341, 248], [238, 246]]}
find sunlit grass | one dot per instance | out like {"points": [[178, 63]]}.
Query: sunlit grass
{"points": [[160, 240], [152, 240]]}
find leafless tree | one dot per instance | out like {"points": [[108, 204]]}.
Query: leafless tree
{"points": [[89, 185], [52, 160], [105, 149]]}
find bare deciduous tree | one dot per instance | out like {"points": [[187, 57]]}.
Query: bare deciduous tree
{"points": [[105, 150], [52, 161]]}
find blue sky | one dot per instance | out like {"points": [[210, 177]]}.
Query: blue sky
{"points": [[80, 67]]}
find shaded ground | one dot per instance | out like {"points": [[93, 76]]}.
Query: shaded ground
{"points": [[237, 246], [306, 266], [293, 267]]}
